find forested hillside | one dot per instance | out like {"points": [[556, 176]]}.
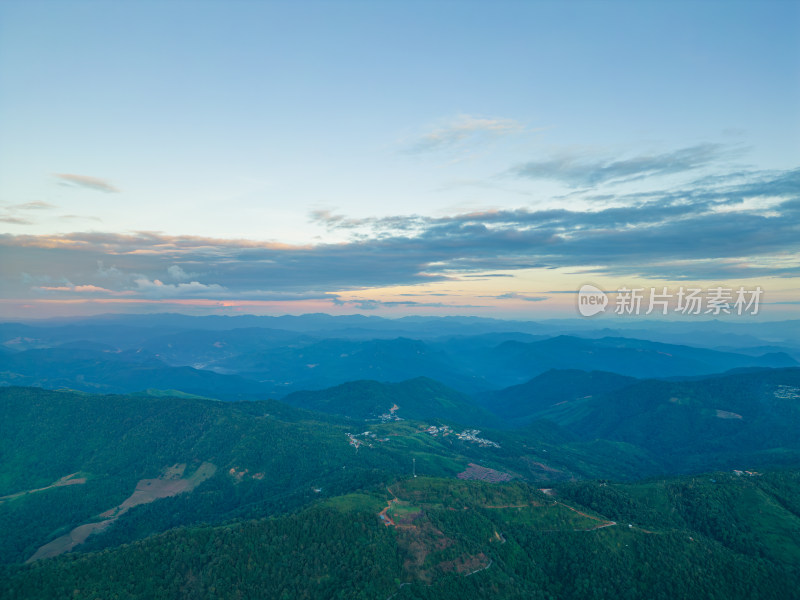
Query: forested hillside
{"points": [[531, 492], [720, 536], [102, 470], [67, 458]]}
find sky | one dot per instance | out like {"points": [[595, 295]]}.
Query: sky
{"points": [[395, 158]]}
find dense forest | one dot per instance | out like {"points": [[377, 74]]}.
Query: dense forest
{"points": [[720, 536], [573, 485]]}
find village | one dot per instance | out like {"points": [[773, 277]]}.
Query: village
{"points": [[739, 473], [470, 435], [787, 392], [366, 438], [363, 439], [390, 416]]}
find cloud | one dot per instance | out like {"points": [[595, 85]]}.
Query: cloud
{"points": [[517, 296], [79, 218], [109, 272], [157, 289], [80, 289], [370, 304], [746, 227], [581, 171], [179, 274], [375, 226], [33, 206], [41, 280], [84, 181], [13, 214], [11, 219], [462, 129]]}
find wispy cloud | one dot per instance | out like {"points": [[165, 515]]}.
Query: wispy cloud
{"points": [[79, 289], [13, 220], [462, 129], [79, 218], [371, 304], [19, 214], [581, 170], [85, 181], [32, 206], [517, 296]]}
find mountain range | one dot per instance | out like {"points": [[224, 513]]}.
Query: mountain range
{"points": [[487, 463], [124, 355]]}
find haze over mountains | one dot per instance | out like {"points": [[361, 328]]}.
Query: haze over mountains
{"points": [[164, 432], [319, 351]]}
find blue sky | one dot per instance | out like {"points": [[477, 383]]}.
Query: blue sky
{"points": [[401, 157]]}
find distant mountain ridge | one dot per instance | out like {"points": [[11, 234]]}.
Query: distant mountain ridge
{"points": [[266, 362], [634, 358], [119, 372]]}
